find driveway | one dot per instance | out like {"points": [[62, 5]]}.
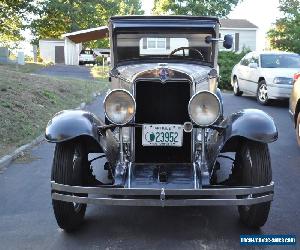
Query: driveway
{"points": [[61, 70], [27, 220]]}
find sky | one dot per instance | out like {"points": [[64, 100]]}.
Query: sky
{"points": [[262, 13]]}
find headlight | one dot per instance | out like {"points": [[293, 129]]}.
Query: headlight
{"points": [[283, 80], [119, 106], [204, 108]]}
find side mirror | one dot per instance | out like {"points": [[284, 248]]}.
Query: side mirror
{"points": [[253, 65], [228, 41]]}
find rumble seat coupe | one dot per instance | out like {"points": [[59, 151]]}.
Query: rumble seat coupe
{"points": [[164, 131]]}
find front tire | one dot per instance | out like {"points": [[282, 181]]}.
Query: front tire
{"points": [[262, 93], [69, 163], [254, 167], [236, 88]]}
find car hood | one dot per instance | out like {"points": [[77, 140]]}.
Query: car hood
{"points": [[271, 73], [192, 72]]}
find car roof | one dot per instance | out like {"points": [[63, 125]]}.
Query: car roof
{"points": [[164, 17], [275, 52], [164, 22]]}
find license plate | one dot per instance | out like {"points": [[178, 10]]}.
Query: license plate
{"points": [[162, 135]]}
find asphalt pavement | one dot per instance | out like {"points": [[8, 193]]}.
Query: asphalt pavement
{"points": [[61, 70], [27, 220]]}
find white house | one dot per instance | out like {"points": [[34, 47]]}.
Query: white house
{"points": [[243, 32]]}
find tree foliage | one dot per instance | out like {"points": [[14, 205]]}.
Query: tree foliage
{"points": [[219, 8], [286, 33], [13, 15], [57, 17]]}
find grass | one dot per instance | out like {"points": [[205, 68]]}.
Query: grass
{"points": [[29, 67], [100, 72], [27, 102]]}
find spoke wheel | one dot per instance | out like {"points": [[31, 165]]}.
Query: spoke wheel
{"points": [[236, 88], [262, 93]]}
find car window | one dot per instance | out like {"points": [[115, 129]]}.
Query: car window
{"points": [[153, 45], [254, 59], [86, 52], [280, 61], [246, 60]]}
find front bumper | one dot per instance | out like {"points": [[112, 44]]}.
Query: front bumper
{"points": [[279, 91], [215, 195]]}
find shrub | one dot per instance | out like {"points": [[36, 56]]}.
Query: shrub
{"points": [[227, 60]]}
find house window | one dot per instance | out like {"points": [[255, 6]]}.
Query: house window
{"points": [[156, 43]]}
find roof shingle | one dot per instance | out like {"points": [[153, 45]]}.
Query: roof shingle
{"points": [[237, 23]]}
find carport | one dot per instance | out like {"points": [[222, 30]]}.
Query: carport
{"points": [[74, 40]]}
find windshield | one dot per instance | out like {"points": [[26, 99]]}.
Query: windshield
{"points": [[280, 61], [149, 46]]}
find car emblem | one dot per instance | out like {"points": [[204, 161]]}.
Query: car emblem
{"points": [[164, 75]]}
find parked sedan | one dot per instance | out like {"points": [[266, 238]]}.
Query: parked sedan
{"points": [[268, 75], [295, 105]]}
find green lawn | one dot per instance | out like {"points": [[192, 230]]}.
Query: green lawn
{"points": [[28, 101], [27, 68]]}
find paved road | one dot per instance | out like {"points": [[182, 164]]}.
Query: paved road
{"points": [[60, 70], [27, 221]]}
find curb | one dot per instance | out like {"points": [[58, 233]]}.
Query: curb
{"points": [[6, 160]]}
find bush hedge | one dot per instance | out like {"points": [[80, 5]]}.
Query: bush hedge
{"points": [[227, 60]]}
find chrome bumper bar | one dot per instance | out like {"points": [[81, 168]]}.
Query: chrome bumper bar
{"points": [[165, 197]]}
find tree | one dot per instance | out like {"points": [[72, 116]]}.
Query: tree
{"points": [[285, 35], [57, 17], [219, 8], [13, 14]]}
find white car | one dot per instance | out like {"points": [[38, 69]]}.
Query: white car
{"points": [[268, 75], [87, 56]]}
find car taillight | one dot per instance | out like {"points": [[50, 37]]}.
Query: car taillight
{"points": [[296, 76]]}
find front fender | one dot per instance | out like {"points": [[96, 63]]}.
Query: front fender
{"points": [[253, 124], [67, 125]]}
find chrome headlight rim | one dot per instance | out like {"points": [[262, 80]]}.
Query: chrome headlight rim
{"points": [[219, 105], [130, 95]]}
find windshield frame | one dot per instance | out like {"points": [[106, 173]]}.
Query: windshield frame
{"points": [[164, 59]]}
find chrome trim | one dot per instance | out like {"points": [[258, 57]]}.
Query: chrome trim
{"points": [[111, 92], [217, 190], [164, 197], [162, 203], [220, 107]]}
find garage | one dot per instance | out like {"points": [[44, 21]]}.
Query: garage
{"points": [[52, 50]]}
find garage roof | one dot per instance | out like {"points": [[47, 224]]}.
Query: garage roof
{"points": [[88, 34]]}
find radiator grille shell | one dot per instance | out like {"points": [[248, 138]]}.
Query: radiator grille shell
{"points": [[162, 103]]}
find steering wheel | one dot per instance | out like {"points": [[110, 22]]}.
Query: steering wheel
{"points": [[183, 48]]}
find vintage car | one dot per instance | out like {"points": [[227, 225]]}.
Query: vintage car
{"points": [[164, 129], [294, 107]]}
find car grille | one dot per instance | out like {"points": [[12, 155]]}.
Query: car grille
{"points": [[162, 103]]}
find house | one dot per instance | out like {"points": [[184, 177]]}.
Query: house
{"points": [[243, 33]]}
